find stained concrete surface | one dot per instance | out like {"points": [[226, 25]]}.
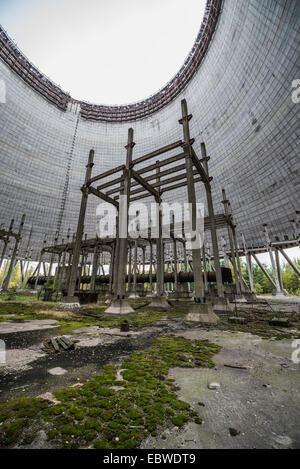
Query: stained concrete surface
{"points": [[27, 325], [262, 401], [26, 371]]}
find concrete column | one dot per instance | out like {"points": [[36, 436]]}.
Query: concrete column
{"points": [[294, 267], [278, 269], [60, 266], [238, 261], [123, 219], [249, 265], [213, 230], [6, 242], [224, 247], [159, 247], [52, 255], [129, 267], [279, 290], [135, 267], [13, 257], [95, 267], [26, 269], [231, 242], [80, 229], [116, 257], [263, 270], [120, 305], [111, 269], [159, 301], [151, 266], [175, 265], [6, 266], [196, 253]]}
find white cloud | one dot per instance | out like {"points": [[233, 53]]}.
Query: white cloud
{"points": [[103, 51]]}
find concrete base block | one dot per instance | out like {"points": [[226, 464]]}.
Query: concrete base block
{"points": [[150, 294], [119, 307], [134, 296], [69, 303], [282, 294], [222, 305], [249, 296], [202, 313], [159, 302]]}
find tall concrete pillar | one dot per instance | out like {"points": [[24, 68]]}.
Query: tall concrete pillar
{"points": [[249, 265], [120, 305], [224, 247], [231, 242], [213, 229], [52, 255], [278, 290], [151, 266], [159, 301], [6, 267], [196, 253], [129, 267], [95, 267], [79, 233], [6, 242], [14, 254]]}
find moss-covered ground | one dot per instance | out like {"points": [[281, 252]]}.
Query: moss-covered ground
{"points": [[257, 323], [25, 307], [97, 415]]}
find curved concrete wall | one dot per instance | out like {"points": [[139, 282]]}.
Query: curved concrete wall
{"points": [[241, 103]]}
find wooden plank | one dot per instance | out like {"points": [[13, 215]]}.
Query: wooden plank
{"points": [[68, 342], [54, 344], [61, 342]]}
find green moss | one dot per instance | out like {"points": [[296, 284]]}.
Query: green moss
{"points": [[10, 432], [180, 405], [198, 420], [96, 413], [180, 420]]}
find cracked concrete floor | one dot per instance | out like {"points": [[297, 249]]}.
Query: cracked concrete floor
{"points": [[262, 401]]}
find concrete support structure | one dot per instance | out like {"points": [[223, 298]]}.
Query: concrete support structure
{"points": [[7, 280], [276, 268], [79, 233]]}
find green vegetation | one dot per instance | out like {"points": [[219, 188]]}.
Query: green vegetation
{"points": [[96, 415], [16, 275], [291, 281]]}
